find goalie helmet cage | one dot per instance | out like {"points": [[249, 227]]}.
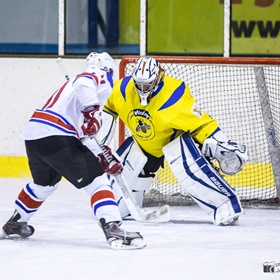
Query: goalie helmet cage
{"points": [[243, 94]]}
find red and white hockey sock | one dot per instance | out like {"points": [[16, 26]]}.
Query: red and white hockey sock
{"points": [[31, 198]]}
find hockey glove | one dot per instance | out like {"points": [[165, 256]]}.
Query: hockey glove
{"points": [[230, 155], [92, 120], [111, 166]]}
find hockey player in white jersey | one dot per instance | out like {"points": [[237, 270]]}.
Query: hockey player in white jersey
{"points": [[53, 139], [166, 123]]}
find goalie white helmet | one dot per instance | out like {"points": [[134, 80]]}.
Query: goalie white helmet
{"points": [[147, 75], [101, 60]]}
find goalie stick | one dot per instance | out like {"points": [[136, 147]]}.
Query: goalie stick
{"points": [[160, 215]]}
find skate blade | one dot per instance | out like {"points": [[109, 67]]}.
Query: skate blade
{"points": [[135, 244], [3, 234]]}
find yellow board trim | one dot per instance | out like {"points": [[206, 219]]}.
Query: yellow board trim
{"points": [[14, 166], [253, 175]]}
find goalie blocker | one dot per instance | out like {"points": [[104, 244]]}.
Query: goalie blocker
{"points": [[201, 181]]}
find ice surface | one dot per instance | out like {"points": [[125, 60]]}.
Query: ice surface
{"points": [[68, 244]]}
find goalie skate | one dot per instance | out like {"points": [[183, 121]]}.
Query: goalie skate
{"points": [[231, 222], [120, 239]]}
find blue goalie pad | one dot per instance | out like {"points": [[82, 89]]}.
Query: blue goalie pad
{"points": [[201, 181]]}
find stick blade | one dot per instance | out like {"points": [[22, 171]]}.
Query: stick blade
{"points": [[161, 215], [135, 244]]}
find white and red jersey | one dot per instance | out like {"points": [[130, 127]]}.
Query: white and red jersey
{"points": [[61, 115]]}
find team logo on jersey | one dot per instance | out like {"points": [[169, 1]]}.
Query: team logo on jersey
{"points": [[140, 122], [196, 110]]}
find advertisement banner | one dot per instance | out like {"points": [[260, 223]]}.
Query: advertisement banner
{"points": [[255, 27], [185, 27], [197, 27]]}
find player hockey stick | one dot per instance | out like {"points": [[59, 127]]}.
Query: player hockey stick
{"points": [[160, 215], [62, 68]]}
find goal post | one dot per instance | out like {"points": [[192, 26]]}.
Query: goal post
{"points": [[243, 94]]}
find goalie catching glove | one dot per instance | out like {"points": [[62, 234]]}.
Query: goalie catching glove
{"points": [[231, 156], [92, 120], [111, 166]]}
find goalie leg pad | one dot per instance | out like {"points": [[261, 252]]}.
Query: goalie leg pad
{"points": [[133, 163], [138, 190], [133, 160], [202, 182]]}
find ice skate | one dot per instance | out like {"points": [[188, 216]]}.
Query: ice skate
{"points": [[231, 222], [120, 239], [13, 227]]}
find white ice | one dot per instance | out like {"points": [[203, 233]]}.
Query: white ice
{"points": [[68, 244]]}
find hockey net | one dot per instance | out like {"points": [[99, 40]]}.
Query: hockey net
{"points": [[243, 94]]}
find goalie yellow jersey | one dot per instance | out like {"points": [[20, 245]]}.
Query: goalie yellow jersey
{"points": [[171, 111]]}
